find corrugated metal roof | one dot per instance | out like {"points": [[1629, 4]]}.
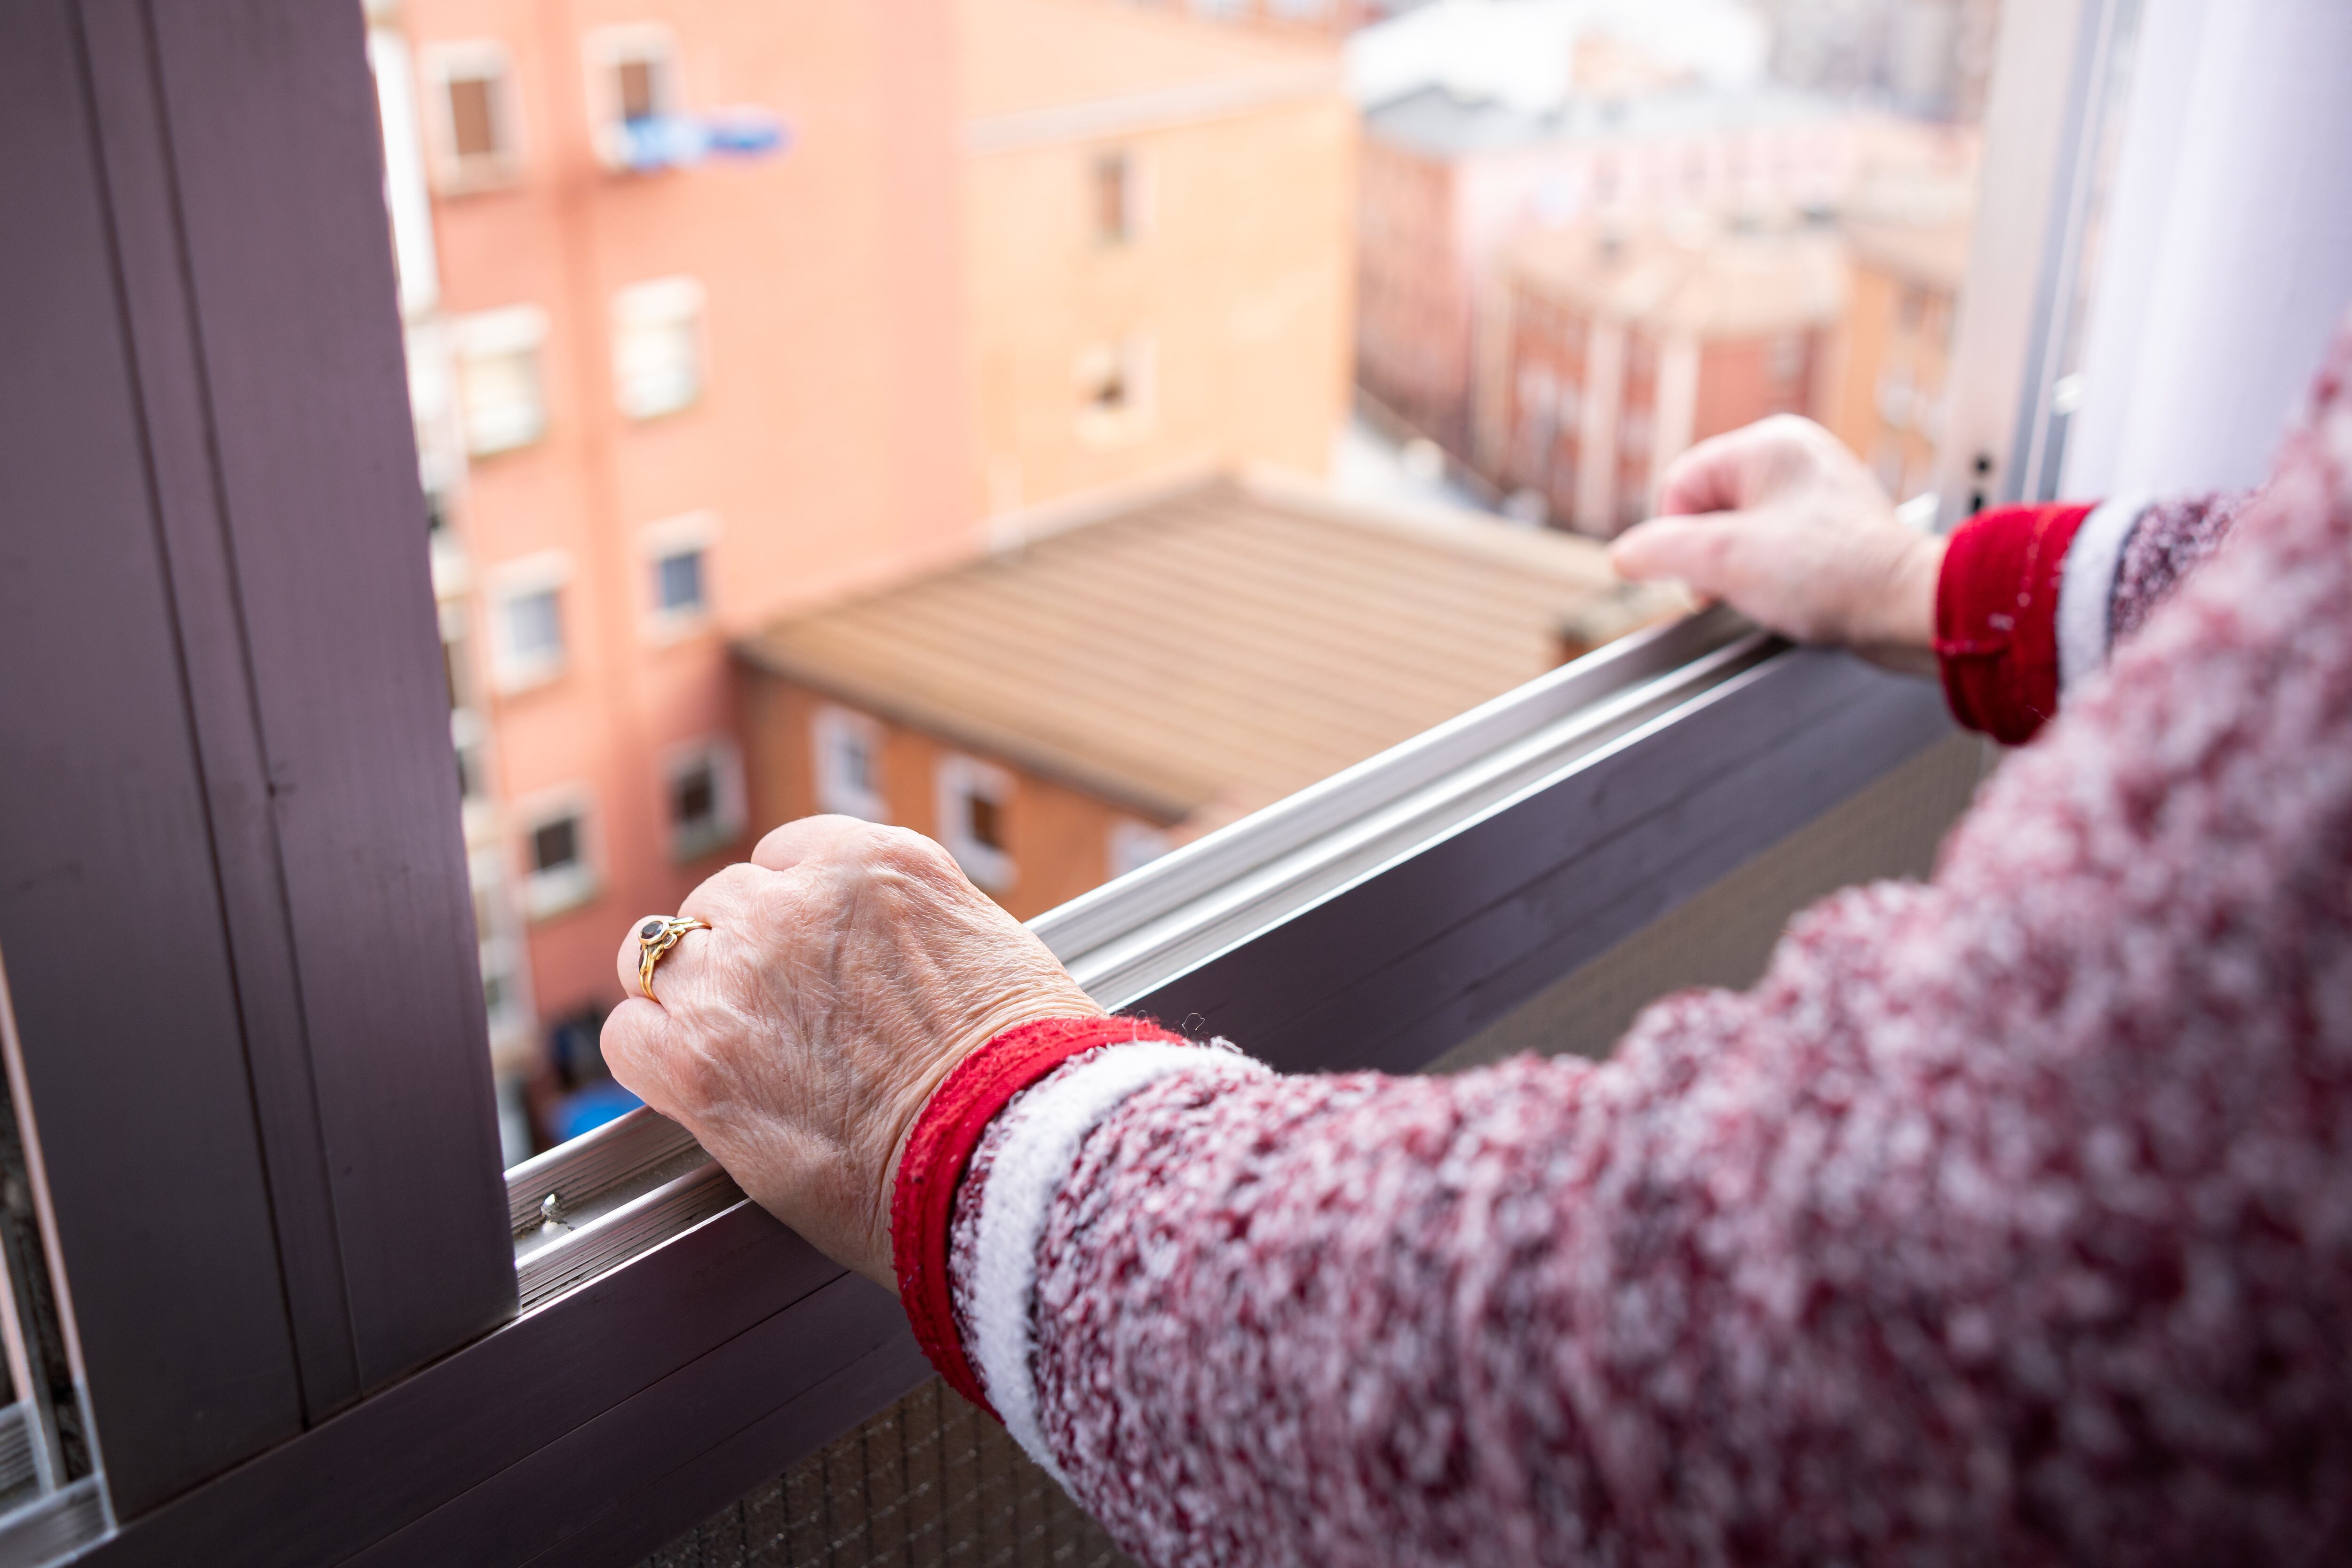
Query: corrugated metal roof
{"points": [[1211, 650]]}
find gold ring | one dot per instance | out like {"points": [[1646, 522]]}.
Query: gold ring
{"points": [[656, 936]]}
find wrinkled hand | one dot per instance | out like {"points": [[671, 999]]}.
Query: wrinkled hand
{"points": [[1781, 522], [849, 969]]}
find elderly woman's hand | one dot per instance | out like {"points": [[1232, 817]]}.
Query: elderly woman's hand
{"points": [[1782, 523], [848, 967]]}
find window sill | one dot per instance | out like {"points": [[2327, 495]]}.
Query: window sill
{"points": [[557, 896], [522, 680], [667, 628], [675, 1343], [688, 847]]}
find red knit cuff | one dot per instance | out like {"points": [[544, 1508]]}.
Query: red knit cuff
{"points": [[922, 1202], [1997, 617]]}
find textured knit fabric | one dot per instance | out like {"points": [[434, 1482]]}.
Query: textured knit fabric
{"points": [[2007, 1219], [2173, 539]]}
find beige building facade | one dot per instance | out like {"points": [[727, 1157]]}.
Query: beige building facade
{"points": [[1157, 266]]}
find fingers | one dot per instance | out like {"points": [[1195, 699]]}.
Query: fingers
{"points": [[720, 902], [1711, 477], [809, 838], [1702, 551]]}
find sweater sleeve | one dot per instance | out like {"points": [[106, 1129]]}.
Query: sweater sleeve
{"points": [[2004, 1220], [2032, 599]]}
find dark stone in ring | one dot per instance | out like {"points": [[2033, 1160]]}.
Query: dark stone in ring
{"points": [[650, 931]]}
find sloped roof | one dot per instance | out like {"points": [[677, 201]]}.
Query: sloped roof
{"points": [[1699, 277], [1214, 649]]}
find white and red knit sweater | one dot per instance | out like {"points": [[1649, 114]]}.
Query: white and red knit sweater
{"points": [[2007, 1219]]}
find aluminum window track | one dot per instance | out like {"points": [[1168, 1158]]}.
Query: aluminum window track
{"points": [[624, 1188]]}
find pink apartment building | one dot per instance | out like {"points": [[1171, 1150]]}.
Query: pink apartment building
{"points": [[684, 321], [1448, 183], [1617, 349]]}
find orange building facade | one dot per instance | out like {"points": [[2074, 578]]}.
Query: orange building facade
{"points": [[1885, 397]]}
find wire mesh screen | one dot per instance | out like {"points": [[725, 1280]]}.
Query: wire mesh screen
{"points": [[928, 1483]]}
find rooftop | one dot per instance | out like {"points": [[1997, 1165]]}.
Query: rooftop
{"points": [[1441, 122], [1025, 57], [1707, 280], [1216, 648], [1538, 54]]}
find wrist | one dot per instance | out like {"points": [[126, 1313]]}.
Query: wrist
{"points": [[968, 1038], [1898, 626]]}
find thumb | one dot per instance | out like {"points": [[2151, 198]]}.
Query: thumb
{"points": [[1700, 551]]}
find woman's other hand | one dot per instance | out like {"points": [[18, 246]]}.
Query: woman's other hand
{"points": [[848, 969], [1784, 524]]}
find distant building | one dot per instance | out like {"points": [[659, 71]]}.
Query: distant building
{"points": [[1930, 57], [1449, 184], [1156, 214], [1616, 348], [1138, 673], [1885, 394]]}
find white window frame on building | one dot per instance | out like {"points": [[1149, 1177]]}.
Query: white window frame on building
{"points": [[659, 346], [339, 1330], [723, 762], [549, 892], [490, 63], [839, 738], [694, 533], [971, 793], [515, 668], [607, 53], [501, 378]]}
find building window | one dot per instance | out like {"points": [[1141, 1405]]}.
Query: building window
{"points": [[632, 88], [974, 806], [559, 873], [1114, 390], [706, 798], [677, 584], [657, 346], [499, 388], [847, 749], [1134, 845], [527, 620], [1117, 198], [677, 570], [477, 131]]}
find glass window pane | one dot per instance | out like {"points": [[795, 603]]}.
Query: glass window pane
{"points": [[680, 581], [473, 120], [1190, 458]]}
